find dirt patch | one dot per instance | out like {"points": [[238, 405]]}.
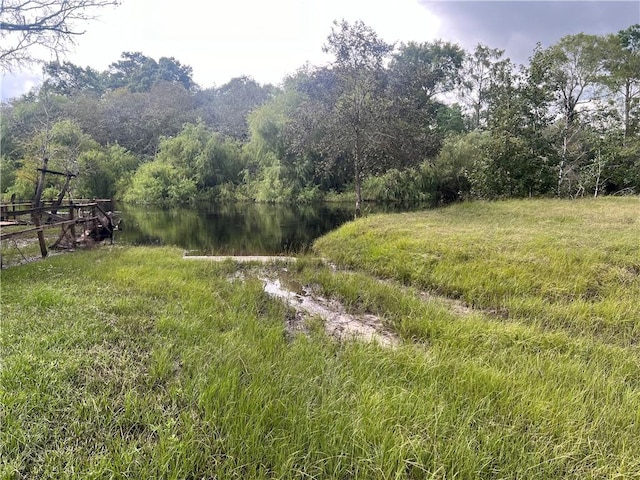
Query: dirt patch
{"points": [[337, 322]]}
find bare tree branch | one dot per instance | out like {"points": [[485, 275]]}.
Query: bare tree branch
{"points": [[50, 24]]}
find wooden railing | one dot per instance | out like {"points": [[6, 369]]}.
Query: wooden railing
{"points": [[95, 217]]}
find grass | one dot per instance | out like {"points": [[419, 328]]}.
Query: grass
{"points": [[132, 363], [572, 266], [25, 248]]}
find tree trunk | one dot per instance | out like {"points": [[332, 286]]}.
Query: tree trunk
{"points": [[358, 178], [563, 160], [627, 112]]}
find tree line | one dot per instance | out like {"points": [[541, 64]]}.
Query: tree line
{"points": [[413, 123]]}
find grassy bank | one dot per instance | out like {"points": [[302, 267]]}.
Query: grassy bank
{"points": [[132, 363], [559, 265]]}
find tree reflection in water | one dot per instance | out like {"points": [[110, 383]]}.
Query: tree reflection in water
{"points": [[232, 229]]}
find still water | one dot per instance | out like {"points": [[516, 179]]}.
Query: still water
{"points": [[231, 229]]}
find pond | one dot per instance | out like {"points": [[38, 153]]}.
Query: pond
{"points": [[231, 229]]}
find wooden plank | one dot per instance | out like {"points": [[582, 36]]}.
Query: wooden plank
{"points": [[44, 209], [241, 258], [40, 228]]}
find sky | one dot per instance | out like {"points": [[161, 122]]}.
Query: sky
{"points": [[267, 40]]}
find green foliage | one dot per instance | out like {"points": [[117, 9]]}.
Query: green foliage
{"points": [[226, 109], [140, 73], [209, 158], [622, 61], [68, 79], [158, 182], [450, 119], [480, 68], [352, 120], [138, 120], [275, 173], [7, 173], [105, 173], [566, 123], [422, 71], [63, 143], [455, 164], [409, 187], [197, 159], [417, 76]]}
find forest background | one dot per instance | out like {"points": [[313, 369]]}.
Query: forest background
{"points": [[412, 123]]}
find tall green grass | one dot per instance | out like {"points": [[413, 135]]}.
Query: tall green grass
{"points": [[561, 265], [132, 363]]}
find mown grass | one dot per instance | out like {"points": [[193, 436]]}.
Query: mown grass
{"points": [[132, 363], [571, 266]]}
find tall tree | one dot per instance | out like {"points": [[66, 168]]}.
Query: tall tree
{"points": [[354, 122], [226, 108], [576, 65], [138, 120], [479, 70], [49, 24], [418, 75], [622, 62], [68, 79], [139, 73]]}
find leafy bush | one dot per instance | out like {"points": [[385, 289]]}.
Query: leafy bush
{"points": [[159, 182]]}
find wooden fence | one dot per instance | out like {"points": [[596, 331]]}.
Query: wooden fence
{"points": [[34, 217], [79, 221]]}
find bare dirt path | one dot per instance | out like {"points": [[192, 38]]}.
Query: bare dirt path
{"points": [[337, 322]]}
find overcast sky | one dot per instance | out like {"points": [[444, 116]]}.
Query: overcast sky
{"points": [[269, 39]]}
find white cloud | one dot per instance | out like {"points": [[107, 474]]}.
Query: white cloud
{"points": [[221, 40], [225, 39]]}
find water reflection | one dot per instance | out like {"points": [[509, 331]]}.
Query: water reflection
{"points": [[232, 229]]}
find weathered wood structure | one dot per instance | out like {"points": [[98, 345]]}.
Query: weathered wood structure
{"points": [[94, 216]]}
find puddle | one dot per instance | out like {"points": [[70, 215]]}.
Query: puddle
{"points": [[338, 323]]}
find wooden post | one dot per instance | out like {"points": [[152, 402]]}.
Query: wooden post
{"points": [[36, 221], [36, 215], [73, 225], [37, 199]]}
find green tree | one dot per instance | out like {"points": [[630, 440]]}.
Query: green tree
{"points": [[68, 79], [140, 73], [622, 62], [305, 133], [208, 158], [352, 127], [105, 172], [518, 162], [418, 75], [7, 173], [276, 172], [159, 182], [27, 116], [137, 120], [62, 143], [576, 64], [479, 70], [225, 109]]}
